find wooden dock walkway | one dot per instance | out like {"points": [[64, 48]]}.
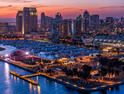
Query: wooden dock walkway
{"points": [[26, 79], [31, 75]]}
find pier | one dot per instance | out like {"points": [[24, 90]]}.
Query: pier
{"points": [[24, 78], [31, 75]]}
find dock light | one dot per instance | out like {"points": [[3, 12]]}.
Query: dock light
{"points": [[82, 88], [6, 55], [94, 88], [27, 53]]}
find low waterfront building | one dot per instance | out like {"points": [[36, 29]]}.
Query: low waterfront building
{"points": [[110, 40]]}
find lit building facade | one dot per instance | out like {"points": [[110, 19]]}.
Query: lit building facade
{"points": [[43, 21], [86, 22], [3, 27], [58, 16], [66, 28], [109, 23], [19, 21], [46, 22], [94, 22], [78, 27], [29, 20], [62, 28], [122, 20]]}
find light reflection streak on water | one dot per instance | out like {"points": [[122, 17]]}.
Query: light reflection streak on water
{"points": [[30, 86], [17, 79], [23, 82], [7, 73], [11, 76], [37, 78], [34, 87], [55, 85], [38, 87]]}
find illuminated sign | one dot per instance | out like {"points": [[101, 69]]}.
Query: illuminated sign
{"points": [[33, 13]]}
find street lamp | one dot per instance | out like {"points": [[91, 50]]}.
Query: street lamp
{"points": [[40, 57]]}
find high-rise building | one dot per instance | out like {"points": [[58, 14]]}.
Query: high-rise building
{"points": [[46, 22], [12, 29], [49, 23], [66, 28], [109, 22], [19, 21], [94, 22], [78, 27], [62, 28], [122, 20], [86, 22], [29, 20], [58, 16], [43, 21], [3, 27], [56, 28]]}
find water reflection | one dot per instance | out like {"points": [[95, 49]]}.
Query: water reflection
{"points": [[38, 87], [102, 92], [17, 79], [37, 78], [11, 76], [34, 87], [55, 85], [7, 73], [30, 86], [117, 88], [23, 82]]}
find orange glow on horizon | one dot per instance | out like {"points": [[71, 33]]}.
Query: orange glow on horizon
{"points": [[68, 8]]}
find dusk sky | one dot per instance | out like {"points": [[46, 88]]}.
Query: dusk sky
{"points": [[68, 8]]}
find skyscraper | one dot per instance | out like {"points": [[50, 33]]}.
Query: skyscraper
{"points": [[122, 20], [29, 20], [58, 16], [66, 28], [56, 28], [43, 21], [78, 27], [86, 22], [46, 22], [62, 28], [94, 22], [3, 27], [19, 21], [109, 23]]}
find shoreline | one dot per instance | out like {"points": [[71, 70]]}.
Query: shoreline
{"points": [[67, 84], [2, 49]]}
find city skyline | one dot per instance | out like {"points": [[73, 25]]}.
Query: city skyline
{"points": [[68, 9]]}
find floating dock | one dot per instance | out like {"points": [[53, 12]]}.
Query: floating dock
{"points": [[24, 78], [31, 75]]}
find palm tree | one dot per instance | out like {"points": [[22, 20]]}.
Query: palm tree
{"points": [[75, 71], [118, 50], [50, 71], [102, 72]]}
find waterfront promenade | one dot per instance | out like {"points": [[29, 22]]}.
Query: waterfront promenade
{"points": [[67, 84]]}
